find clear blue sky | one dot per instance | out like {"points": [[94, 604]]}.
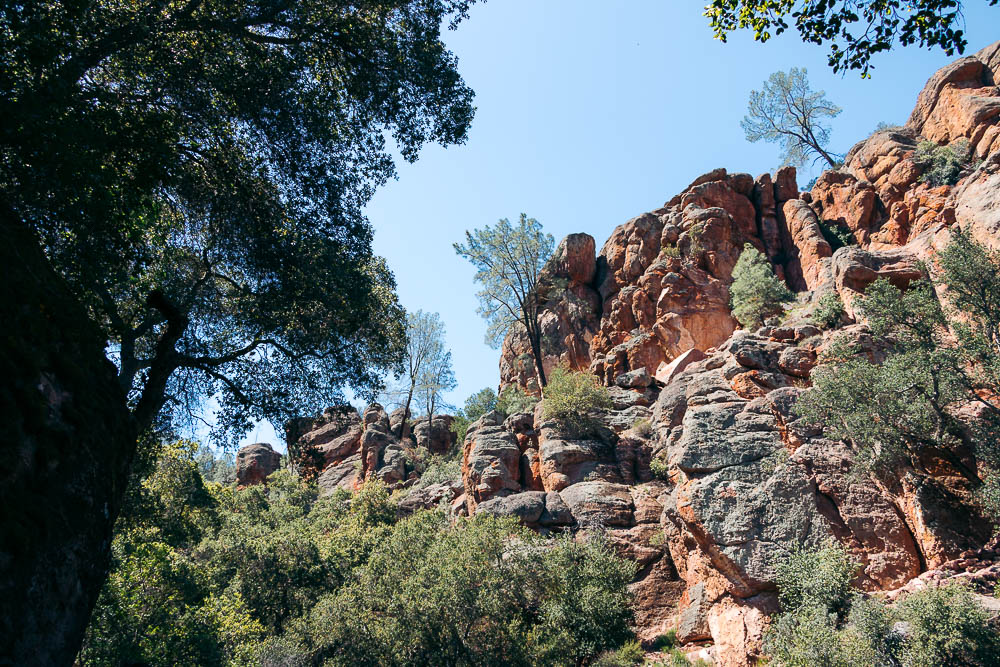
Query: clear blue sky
{"points": [[590, 113]]}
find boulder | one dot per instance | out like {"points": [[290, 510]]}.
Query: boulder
{"points": [[254, 463]]}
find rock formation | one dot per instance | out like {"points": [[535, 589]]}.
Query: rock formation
{"points": [[254, 463], [739, 479]]}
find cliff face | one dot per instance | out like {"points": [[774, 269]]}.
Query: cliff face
{"points": [[745, 480]]}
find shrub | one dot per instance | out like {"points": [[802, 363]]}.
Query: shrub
{"points": [[643, 427], [942, 165], [629, 654], [829, 311], [947, 626], [670, 251], [667, 640], [835, 235], [756, 293], [513, 399], [818, 578], [573, 396], [660, 469], [440, 469]]}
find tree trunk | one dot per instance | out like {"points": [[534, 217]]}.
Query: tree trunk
{"points": [[536, 351], [406, 412], [68, 443]]}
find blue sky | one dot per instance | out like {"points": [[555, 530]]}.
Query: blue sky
{"points": [[590, 113]]}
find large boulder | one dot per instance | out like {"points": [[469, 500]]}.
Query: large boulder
{"points": [[255, 462]]}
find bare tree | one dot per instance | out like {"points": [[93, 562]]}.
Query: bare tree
{"points": [[424, 352], [437, 378], [508, 259], [786, 111]]}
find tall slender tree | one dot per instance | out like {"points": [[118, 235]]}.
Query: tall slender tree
{"points": [[426, 361], [508, 260]]}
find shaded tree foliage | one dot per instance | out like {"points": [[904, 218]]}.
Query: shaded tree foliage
{"points": [[195, 171], [786, 111], [855, 30], [508, 260]]}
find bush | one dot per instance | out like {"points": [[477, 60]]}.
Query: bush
{"points": [[660, 469], [629, 654], [572, 397], [818, 578], [513, 400], [829, 311], [439, 469], [756, 293], [643, 428], [835, 235], [942, 165], [947, 626]]}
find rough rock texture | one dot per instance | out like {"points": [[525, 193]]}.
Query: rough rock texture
{"points": [[255, 462]]}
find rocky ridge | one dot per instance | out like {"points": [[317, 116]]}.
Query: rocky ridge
{"points": [[742, 481]]}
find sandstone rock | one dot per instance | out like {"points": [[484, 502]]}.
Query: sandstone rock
{"points": [[637, 379], [437, 437], [599, 503], [668, 371], [855, 269], [344, 475], [430, 497], [254, 463], [491, 461]]}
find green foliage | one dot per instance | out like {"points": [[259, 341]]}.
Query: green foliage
{"points": [[660, 469], [829, 312], [854, 30], [819, 578], [667, 640], [514, 400], [476, 406], [642, 427], [198, 171], [835, 235], [629, 654], [508, 260], [440, 469], [822, 623], [205, 574], [786, 111], [946, 626], [486, 592], [942, 165], [756, 293], [573, 396]]}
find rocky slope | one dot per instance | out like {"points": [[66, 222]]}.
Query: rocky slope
{"points": [[744, 481]]}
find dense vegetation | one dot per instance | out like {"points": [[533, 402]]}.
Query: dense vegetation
{"points": [[205, 574], [826, 623], [942, 364]]}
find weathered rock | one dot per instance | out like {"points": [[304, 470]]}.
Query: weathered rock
{"points": [[637, 379], [667, 372], [255, 462], [430, 496], [344, 475], [490, 462], [600, 503], [437, 437]]}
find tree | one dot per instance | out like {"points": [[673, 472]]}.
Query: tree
{"points": [[855, 29], [436, 379], [426, 362], [941, 359], [786, 111], [508, 260], [476, 406], [195, 172], [756, 293]]}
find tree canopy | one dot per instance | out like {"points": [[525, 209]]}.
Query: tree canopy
{"points": [[855, 30], [786, 111], [508, 260], [756, 293], [196, 169]]}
